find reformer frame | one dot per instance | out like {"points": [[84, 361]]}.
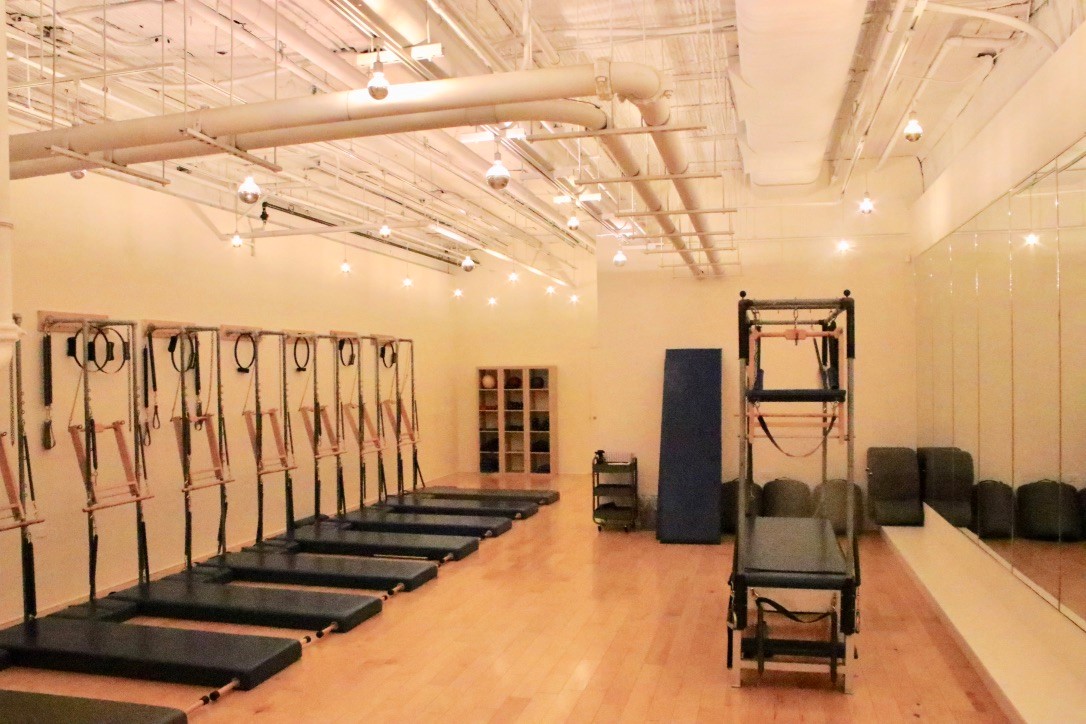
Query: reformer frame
{"points": [[133, 490], [185, 338], [762, 558], [278, 418]]}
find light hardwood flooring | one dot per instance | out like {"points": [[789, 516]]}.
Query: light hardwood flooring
{"points": [[556, 622]]}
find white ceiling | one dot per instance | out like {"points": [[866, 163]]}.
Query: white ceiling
{"points": [[419, 180]]}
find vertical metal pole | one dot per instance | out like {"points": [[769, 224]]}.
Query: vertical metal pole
{"points": [[88, 480], [317, 432], [184, 341], [288, 436], [258, 416]]}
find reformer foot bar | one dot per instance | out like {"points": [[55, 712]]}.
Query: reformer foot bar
{"points": [[795, 568], [270, 561], [108, 647]]}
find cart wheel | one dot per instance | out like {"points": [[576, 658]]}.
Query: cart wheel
{"points": [[599, 527], [626, 528]]}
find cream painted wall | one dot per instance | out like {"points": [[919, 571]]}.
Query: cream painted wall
{"points": [[102, 246], [642, 315], [526, 328]]}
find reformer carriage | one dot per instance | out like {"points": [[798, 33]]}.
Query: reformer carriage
{"points": [[795, 569]]}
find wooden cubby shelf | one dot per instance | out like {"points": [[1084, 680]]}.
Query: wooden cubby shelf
{"points": [[516, 407]]}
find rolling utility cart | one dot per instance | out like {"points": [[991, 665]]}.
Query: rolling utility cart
{"points": [[614, 493]]}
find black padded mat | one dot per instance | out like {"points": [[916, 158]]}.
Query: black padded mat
{"points": [[199, 658], [377, 574], [23, 707], [382, 519], [197, 599], [413, 503], [793, 545], [539, 497], [332, 538]]}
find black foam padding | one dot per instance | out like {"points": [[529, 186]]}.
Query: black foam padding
{"points": [[200, 658], [946, 477], [539, 497], [993, 509], [688, 502], [389, 521], [23, 707], [796, 395], [729, 504], [197, 599], [786, 498], [331, 538], [1082, 508], [893, 486], [378, 574], [5, 660], [800, 553], [411, 503], [1047, 510], [102, 609], [831, 503]]}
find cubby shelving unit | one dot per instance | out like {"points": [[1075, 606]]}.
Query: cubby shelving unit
{"points": [[516, 420]]}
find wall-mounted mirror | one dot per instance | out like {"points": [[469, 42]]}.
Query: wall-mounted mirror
{"points": [[1001, 314]]}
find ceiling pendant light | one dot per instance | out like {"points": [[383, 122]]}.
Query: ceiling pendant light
{"points": [[236, 241], [78, 173], [550, 290], [458, 293], [844, 245], [619, 258], [913, 129], [1032, 239], [498, 175], [345, 267], [573, 223], [493, 301], [573, 299], [514, 277], [385, 231], [468, 264], [866, 204], [378, 85], [408, 282], [248, 191]]}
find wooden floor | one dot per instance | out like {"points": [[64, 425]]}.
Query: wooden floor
{"points": [[556, 622]]}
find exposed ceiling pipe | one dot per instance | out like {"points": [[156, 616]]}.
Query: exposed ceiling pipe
{"points": [[656, 113], [1036, 33], [557, 111], [987, 46], [794, 59], [255, 44], [891, 73], [631, 80]]}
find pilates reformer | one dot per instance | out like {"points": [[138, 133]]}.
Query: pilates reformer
{"points": [[795, 568], [379, 518], [401, 419], [288, 561], [91, 637], [200, 594], [328, 437], [20, 512]]}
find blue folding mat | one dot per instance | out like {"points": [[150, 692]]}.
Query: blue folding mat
{"points": [[688, 503]]}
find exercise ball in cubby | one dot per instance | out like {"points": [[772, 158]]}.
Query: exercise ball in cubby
{"points": [[488, 382]]}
